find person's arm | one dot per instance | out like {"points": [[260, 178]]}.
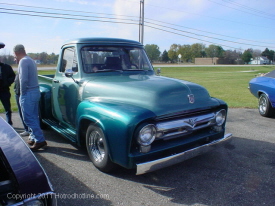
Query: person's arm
{"points": [[23, 76], [11, 75]]}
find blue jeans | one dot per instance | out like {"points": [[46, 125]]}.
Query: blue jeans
{"points": [[5, 99], [29, 103], [20, 112]]}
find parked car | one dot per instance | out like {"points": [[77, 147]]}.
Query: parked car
{"points": [[23, 181], [263, 87]]}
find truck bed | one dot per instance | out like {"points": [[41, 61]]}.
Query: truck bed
{"points": [[45, 79]]}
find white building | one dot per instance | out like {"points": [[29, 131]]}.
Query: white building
{"points": [[260, 60], [37, 61]]}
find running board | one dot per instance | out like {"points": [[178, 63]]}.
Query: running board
{"points": [[67, 132]]}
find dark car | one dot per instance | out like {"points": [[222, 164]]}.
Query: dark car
{"points": [[23, 181], [263, 87]]}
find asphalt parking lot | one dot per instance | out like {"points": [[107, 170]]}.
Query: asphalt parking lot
{"points": [[241, 173]]}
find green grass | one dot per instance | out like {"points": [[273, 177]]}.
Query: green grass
{"points": [[226, 83]]}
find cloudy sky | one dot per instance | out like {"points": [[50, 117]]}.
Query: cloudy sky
{"points": [[43, 26]]}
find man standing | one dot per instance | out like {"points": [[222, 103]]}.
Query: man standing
{"points": [[29, 96], [7, 76]]}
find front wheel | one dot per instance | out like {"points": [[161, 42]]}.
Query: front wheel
{"points": [[265, 107], [98, 150]]}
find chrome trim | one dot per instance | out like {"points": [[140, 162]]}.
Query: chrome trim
{"points": [[191, 98], [153, 128], [186, 125], [177, 158]]}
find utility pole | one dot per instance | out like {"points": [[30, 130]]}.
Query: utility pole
{"points": [[141, 21]]}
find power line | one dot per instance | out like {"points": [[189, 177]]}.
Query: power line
{"points": [[256, 12], [241, 10], [192, 37], [207, 16], [206, 36], [38, 12], [132, 16], [125, 19], [121, 21], [207, 31], [58, 17], [50, 8], [112, 18]]}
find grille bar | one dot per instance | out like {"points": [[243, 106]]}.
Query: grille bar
{"points": [[185, 125]]}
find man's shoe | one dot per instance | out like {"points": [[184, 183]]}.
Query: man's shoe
{"points": [[38, 145], [30, 142], [25, 133]]}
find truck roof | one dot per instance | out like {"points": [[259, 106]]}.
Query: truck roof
{"points": [[103, 41]]}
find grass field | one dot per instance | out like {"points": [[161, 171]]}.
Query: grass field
{"points": [[226, 83]]}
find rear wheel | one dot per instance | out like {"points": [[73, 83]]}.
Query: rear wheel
{"points": [[97, 149], [265, 107]]}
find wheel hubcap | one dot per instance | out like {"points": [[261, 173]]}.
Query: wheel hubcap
{"points": [[96, 146], [263, 105]]}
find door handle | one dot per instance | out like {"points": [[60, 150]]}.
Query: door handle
{"points": [[56, 81]]}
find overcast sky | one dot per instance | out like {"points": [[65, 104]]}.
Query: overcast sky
{"points": [[232, 24]]}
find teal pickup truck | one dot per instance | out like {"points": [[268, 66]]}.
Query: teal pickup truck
{"points": [[106, 96]]}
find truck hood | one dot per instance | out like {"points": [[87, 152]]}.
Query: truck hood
{"points": [[161, 95]]}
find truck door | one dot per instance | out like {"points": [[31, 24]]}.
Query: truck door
{"points": [[65, 90]]}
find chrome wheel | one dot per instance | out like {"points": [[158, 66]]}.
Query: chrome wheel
{"points": [[262, 104], [96, 146], [97, 149], [265, 107]]}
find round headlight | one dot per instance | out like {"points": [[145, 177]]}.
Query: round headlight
{"points": [[220, 117], [147, 135]]}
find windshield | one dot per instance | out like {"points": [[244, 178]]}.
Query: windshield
{"points": [[98, 59]]}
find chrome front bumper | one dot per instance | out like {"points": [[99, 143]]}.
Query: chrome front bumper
{"points": [[177, 158]]}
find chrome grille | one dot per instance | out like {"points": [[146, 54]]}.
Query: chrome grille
{"points": [[169, 129]]}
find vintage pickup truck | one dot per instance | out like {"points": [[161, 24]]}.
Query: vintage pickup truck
{"points": [[106, 96]]}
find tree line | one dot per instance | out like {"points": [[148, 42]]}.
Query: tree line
{"points": [[188, 53], [41, 58]]}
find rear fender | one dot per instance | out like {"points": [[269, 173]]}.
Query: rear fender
{"points": [[45, 103]]}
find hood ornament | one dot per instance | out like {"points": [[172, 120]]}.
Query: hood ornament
{"points": [[192, 122], [191, 98]]}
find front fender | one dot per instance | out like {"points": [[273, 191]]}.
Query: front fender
{"points": [[118, 122]]}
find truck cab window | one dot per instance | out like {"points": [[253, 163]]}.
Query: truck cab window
{"points": [[109, 58], [69, 60]]}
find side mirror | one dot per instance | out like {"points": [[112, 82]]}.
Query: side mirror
{"points": [[69, 73], [158, 71]]}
